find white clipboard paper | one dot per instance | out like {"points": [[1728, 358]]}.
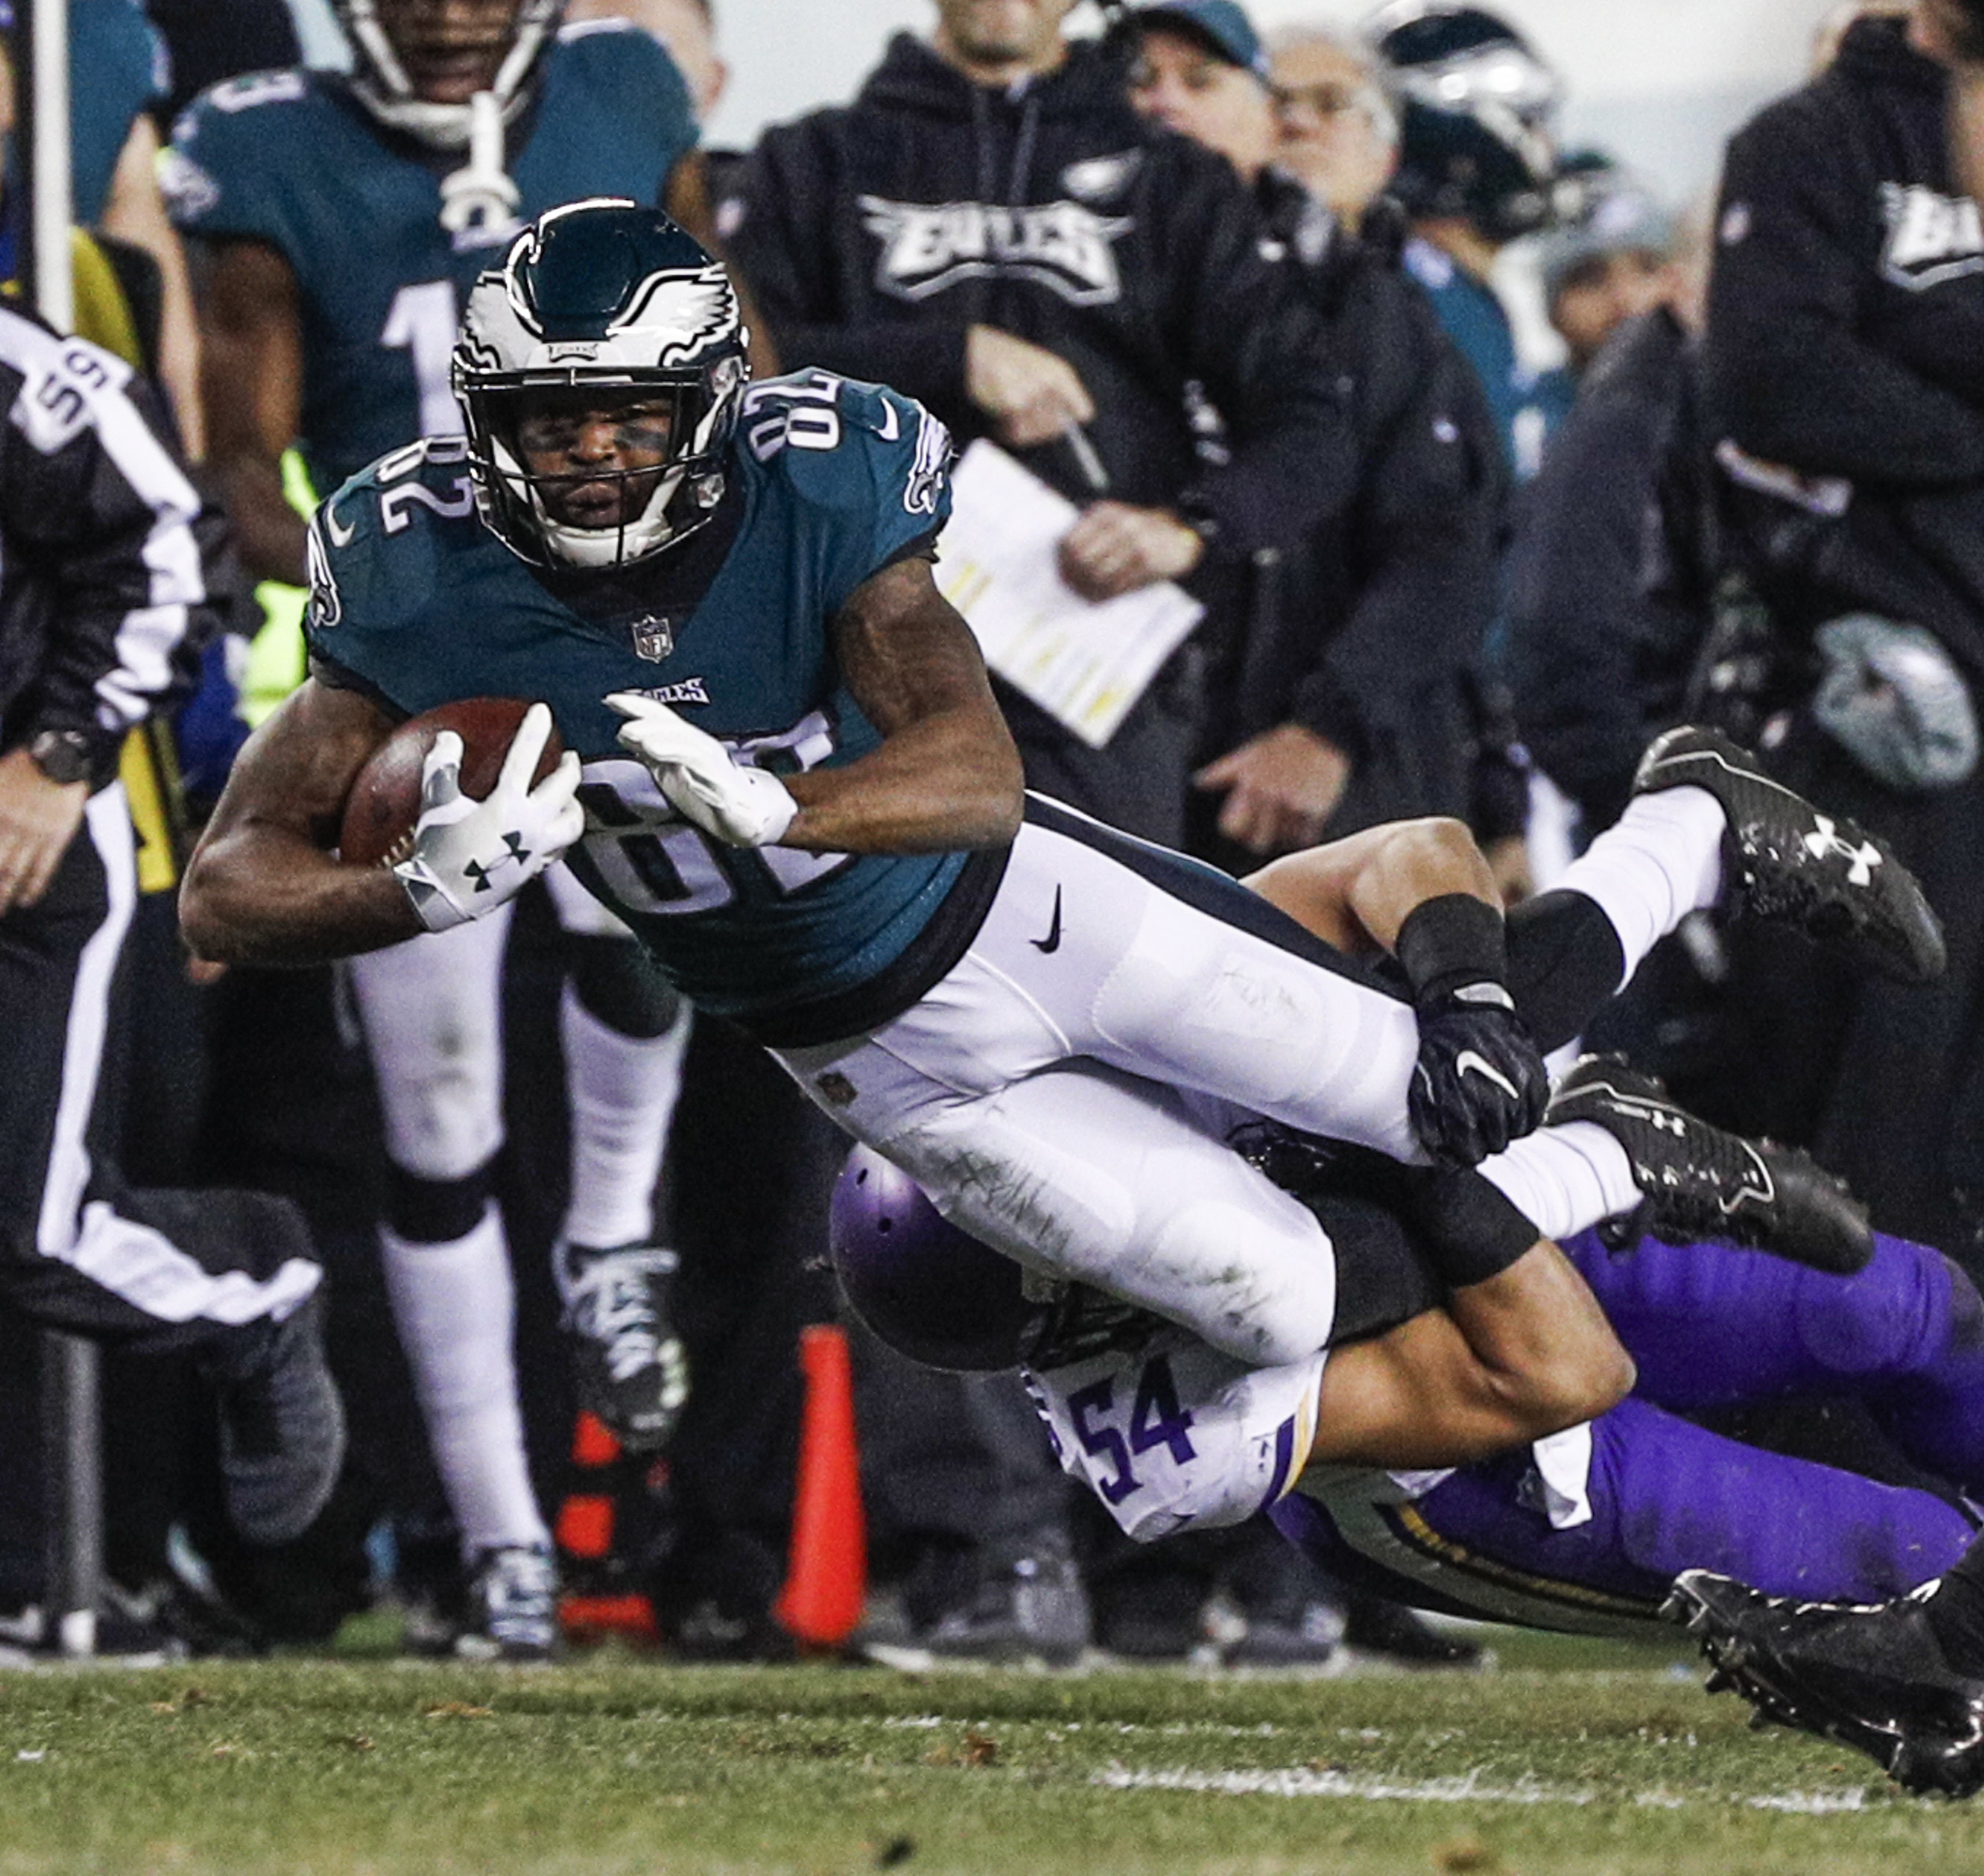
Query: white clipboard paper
{"points": [[1084, 665]]}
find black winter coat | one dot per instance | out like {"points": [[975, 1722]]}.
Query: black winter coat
{"points": [[1846, 341], [1376, 616], [1611, 579], [874, 237]]}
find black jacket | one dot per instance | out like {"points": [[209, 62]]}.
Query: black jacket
{"points": [[1846, 340], [1611, 579], [104, 596], [1382, 609], [874, 236]]}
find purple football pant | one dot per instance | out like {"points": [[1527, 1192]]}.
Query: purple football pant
{"points": [[1709, 1327]]}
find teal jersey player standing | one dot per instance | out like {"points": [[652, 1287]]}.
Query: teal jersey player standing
{"points": [[343, 221], [1528, 404], [826, 482], [294, 160]]}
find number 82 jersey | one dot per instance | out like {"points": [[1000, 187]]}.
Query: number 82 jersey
{"points": [[828, 482]]}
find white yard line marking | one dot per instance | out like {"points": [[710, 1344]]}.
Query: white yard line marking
{"points": [[1305, 1782]]}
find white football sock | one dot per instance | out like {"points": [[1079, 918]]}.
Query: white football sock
{"points": [[1565, 1179], [623, 1092], [1661, 862], [455, 1306]]}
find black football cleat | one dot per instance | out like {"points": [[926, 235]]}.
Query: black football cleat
{"points": [[1787, 860], [629, 1364], [1872, 1676], [1699, 1182]]}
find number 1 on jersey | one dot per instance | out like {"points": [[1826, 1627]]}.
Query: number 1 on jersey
{"points": [[422, 323]]}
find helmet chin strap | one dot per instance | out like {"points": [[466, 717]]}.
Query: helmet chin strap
{"points": [[479, 200], [597, 549]]}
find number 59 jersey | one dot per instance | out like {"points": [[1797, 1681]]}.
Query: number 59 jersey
{"points": [[827, 483], [292, 159]]}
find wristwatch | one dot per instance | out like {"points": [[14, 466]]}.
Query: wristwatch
{"points": [[63, 755]]}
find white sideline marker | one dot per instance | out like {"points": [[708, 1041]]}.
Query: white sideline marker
{"points": [[1305, 1782]]}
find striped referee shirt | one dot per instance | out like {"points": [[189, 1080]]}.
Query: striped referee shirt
{"points": [[104, 599]]}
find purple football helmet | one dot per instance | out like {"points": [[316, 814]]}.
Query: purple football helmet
{"points": [[926, 1288]]}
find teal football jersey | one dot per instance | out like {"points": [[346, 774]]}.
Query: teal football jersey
{"points": [[293, 160], [1527, 404], [828, 481]]}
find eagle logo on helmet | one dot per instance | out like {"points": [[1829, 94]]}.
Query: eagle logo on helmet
{"points": [[696, 312]]}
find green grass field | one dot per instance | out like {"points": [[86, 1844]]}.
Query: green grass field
{"points": [[1566, 1758]]}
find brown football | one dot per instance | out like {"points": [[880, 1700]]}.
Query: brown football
{"points": [[385, 800]]}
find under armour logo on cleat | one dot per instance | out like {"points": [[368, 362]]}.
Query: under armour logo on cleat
{"points": [[480, 874], [1825, 843], [1468, 1062]]}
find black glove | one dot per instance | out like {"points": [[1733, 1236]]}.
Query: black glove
{"points": [[1480, 1082]]}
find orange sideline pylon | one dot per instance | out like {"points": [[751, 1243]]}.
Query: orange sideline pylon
{"points": [[827, 1578], [584, 1534]]}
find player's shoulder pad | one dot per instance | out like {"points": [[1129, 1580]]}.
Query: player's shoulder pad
{"points": [[231, 137], [235, 99], [380, 548], [843, 444], [620, 59], [120, 31]]}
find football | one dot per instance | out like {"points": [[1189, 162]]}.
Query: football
{"points": [[384, 802]]}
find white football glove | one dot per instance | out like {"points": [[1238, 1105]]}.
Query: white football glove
{"points": [[470, 856], [741, 807]]}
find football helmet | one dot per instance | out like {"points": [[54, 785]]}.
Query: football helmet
{"points": [[379, 79], [928, 1289], [1478, 117], [601, 294]]}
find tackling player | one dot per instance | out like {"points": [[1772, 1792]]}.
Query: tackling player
{"points": [[1582, 1532], [1052, 1028], [340, 223]]}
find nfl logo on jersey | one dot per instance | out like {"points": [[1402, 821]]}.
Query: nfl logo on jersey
{"points": [[653, 638]]}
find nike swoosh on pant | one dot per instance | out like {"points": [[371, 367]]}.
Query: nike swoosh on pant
{"points": [[1052, 941]]}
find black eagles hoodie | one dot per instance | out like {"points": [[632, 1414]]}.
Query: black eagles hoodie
{"points": [[1846, 344], [873, 237]]}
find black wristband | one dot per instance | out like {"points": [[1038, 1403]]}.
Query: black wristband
{"points": [[1468, 1230], [1454, 940], [1462, 1226]]}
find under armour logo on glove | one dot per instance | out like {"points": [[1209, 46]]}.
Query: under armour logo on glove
{"points": [[519, 855], [461, 846], [1825, 843]]}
